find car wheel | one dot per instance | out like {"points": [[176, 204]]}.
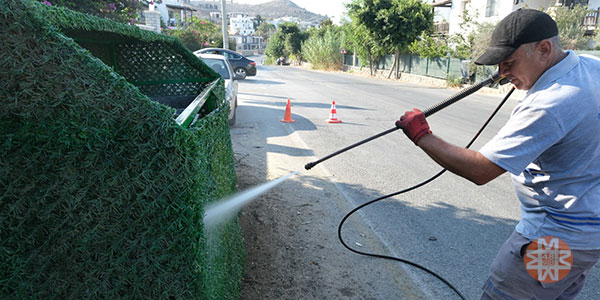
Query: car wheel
{"points": [[241, 71], [232, 120]]}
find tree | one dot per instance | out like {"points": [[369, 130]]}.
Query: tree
{"points": [[471, 41], [393, 23], [293, 37], [479, 42], [360, 41], [265, 30], [199, 34], [258, 20], [480, 39], [287, 40], [276, 46], [326, 22], [572, 34], [324, 28], [463, 42]]}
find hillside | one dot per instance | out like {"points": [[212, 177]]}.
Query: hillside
{"points": [[269, 10]]}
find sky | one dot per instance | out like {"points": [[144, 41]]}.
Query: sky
{"points": [[332, 8]]}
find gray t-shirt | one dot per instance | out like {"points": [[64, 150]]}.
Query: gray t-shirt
{"points": [[551, 146]]}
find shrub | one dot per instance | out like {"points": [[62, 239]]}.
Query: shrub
{"points": [[453, 81], [427, 46], [323, 52]]}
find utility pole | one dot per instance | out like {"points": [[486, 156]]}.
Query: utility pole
{"points": [[224, 25]]}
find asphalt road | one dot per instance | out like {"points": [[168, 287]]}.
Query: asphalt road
{"points": [[450, 226]]}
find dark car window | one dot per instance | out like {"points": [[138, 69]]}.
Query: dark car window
{"points": [[218, 52], [217, 65], [232, 55]]}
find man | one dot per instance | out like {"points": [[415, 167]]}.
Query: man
{"points": [[550, 145]]}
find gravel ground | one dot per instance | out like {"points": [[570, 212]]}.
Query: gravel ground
{"points": [[290, 233]]}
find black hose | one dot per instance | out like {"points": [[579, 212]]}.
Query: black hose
{"points": [[408, 190]]}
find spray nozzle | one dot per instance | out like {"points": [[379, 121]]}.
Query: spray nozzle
{"points": [[501, 80]]}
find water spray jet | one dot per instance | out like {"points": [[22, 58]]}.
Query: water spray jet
{"points": [[222, 211]]}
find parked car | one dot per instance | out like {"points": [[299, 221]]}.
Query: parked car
{"points": [[282, 61], [241, 65], [222, 66]]}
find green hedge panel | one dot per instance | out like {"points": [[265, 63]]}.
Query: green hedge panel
{"points": [[101, 192]]}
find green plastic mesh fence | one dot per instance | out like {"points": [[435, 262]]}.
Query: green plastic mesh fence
{"points": [[157, 64], [101, 192]]}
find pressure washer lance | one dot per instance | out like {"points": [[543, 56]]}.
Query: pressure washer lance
{"points": [[427, 112]]}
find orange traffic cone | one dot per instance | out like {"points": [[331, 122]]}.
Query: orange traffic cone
{"points": [[333, 115], [287, 118]]}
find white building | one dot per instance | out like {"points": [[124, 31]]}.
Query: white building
{"points": [[441, 10], [215, 17], [492, 11], [306, 25], [249, 45], [241, 24], [175, 13], [489, 11], [278, 21]]}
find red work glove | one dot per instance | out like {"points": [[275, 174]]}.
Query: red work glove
{"points": [[414, 125]]}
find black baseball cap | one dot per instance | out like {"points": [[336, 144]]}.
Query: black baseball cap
{"points": [[520, 27]]}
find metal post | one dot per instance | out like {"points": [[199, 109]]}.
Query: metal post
{"points": [[224, 25]]}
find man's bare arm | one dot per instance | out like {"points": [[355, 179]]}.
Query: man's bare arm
{"points": [[466, 163]]}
